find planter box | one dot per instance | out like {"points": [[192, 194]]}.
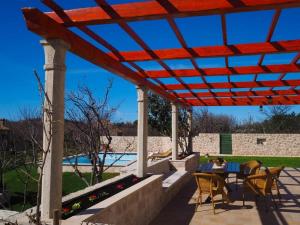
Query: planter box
{"points": [[139, 204], [75, 205]]}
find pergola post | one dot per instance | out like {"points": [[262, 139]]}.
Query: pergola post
{"points": [[174, 131], [53, 135], [190, 124], [142, 131]]}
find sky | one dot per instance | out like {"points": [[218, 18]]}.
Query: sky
{"points": [[21, 53]]}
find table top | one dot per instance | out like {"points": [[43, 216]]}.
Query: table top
{"points": [[230, 167]]}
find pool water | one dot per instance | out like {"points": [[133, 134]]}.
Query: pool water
{"points": [[122, 159]]}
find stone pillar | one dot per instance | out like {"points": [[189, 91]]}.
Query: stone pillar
{"points": [[142, 131], [53, 136], [190, 135], [174, 131]]}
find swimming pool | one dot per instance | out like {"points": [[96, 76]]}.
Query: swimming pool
{"points": [[123, 159]]}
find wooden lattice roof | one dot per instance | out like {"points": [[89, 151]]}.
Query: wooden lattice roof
{"points": [[58, 24]]}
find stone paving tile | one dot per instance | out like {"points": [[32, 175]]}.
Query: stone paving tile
{"points": [[181, 210]]}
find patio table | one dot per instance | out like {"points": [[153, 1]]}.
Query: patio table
{"points": [[230, 167]]}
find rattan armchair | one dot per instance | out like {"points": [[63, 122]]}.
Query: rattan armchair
{"points": [[275, 172], [211, 184], [248, 168], [260, 185]]}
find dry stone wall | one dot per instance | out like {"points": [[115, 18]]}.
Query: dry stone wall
{"points": [[266, 144], [242, 144]]}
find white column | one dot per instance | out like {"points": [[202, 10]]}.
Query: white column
{"points": [[142, 131], [55, 52], [190, 123], [174, 131]]}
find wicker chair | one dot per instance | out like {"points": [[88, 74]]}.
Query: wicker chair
{"points": [[251, 167], [211, 184], [275, 171], [260, 185]]}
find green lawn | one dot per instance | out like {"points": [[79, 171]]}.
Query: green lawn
{"points": [[267, 161], [15, 186]]}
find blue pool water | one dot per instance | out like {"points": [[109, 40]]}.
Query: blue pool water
{"points": [[122, 159]]}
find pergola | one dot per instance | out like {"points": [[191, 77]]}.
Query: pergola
{"points": [[55, 28]]}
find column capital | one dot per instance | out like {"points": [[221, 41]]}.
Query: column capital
{"points": [[142, 93], [174, 107], [141, 87], [56, 43], [55, 52]]}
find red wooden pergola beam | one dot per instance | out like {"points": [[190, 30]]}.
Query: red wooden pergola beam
{"points": [[113, 14], [225, 85], [240, 93], [154, 10], [276, 100], [283, 68], [214, 51], [47, 28]]}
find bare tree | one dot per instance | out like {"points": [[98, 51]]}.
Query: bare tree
{"points": [[207, 122], [90, 129], [32, 135]]}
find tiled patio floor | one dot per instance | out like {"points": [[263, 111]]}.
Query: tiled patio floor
{"points": [[181, 210]]}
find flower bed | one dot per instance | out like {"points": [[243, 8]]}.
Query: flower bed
{"points": [[75, 205]]}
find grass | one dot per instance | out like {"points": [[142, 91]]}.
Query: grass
{"points": [[15, 186], [267, 161]]}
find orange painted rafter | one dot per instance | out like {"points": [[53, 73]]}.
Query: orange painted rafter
{"points": [[269, 36], [113, 14], [44, 26], [154, 10], [215, 51], [180, 38], [241, 93], [225, 85], [245, 101], [283, 68], [59, 11]]}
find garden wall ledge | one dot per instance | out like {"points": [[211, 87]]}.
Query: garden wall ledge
{"points": [[22, 216], [161, 166], [93, 187], [138, 204], [189, 163]]}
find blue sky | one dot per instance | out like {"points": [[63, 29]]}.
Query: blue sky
{"points": [[21, 53]]}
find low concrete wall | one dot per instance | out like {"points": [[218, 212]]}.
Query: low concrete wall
{"points": [[159, 167], [141, 203], [137, 205], [189, 163]]}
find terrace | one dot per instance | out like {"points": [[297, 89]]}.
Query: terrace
{"points": [[252, 84]]}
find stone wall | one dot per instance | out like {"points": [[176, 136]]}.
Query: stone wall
{"points": [[207, 143], [242, 144], [155, 144], [266, 144]]}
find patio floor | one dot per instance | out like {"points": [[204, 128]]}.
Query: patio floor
{"points": [[181, 210]]}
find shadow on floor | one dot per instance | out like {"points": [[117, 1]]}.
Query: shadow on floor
{"points": [[181, 210]]}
